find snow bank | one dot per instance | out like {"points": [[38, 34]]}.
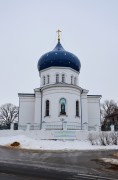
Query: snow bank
{"points": [[29, 143], [110, 161], [103, 138]]}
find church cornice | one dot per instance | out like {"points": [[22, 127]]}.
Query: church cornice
{"points": [[94, 96], [62, 85], [26, 94]]}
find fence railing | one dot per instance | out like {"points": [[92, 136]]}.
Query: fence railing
{"points": [[63, 126], [58, 126], [22, 127]]}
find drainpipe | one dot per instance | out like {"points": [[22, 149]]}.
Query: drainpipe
{"points": [[100, 112], [81, 106]]}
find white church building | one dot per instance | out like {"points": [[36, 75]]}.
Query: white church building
{"points": [[59, 103]]}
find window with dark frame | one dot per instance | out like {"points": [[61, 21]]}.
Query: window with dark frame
{"points": [[47, 108], [77, 108]]}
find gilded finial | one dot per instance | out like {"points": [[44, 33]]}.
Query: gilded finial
{"points": [[58, 31]]}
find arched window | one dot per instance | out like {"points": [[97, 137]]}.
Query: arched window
{"points": [[47, 108], [57, 78], [63, 78], [75, 81], [43, 80], [48, 79], [62, 106], [77, 108], [71, 79]]}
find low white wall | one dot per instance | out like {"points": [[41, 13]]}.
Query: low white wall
{"points": [[36, 134], [26, 109], [93, 110]]}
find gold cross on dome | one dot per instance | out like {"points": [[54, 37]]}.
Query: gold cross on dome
{"points": [[58, 31]]}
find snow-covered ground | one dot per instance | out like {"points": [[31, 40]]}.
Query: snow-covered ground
{"points": [[28, 143]]}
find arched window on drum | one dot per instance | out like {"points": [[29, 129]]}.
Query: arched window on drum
{"points": [[43, 80], [75, 81], [63, 78], [57, 78], [48, 79], [62, 104], [71, 79]]}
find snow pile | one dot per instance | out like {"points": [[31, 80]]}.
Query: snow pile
{"points": [[110, 161], [103, 138], [28, 143]]}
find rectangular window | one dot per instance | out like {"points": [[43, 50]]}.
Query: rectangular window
{"points": [[77, 108], [44, 80], [47, 108]]}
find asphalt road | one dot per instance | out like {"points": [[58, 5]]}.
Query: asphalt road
{"points": [[54, 165]]}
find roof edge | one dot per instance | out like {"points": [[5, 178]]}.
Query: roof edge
{"points": [[26, 94], [93, 96]]}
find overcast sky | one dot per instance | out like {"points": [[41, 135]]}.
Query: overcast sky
{"points": [[28, 30]]}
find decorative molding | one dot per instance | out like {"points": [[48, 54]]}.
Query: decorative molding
{"points": [[94, 96]]}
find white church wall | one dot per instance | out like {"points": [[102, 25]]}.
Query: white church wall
{"points": [[26, 109], [53, 71], [93, 110], [54, 95]]}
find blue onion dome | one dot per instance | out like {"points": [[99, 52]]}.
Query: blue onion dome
{"points": [[59, 57]]}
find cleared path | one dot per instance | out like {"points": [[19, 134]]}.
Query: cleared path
{"points": [[54, 165]]}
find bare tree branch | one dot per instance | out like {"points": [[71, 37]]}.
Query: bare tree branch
{"points": [[8, 113], [108, 107]]}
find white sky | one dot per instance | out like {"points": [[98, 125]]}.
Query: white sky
{"points": [[28, 30]]}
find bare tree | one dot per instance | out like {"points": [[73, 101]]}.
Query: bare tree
{"points": [[8, 113], [108, 107]]}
